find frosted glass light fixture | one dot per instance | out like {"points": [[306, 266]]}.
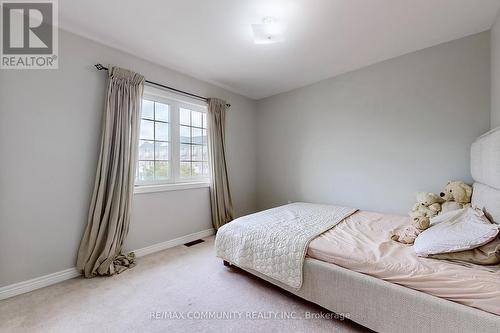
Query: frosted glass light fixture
{"points": [[268, 32]]}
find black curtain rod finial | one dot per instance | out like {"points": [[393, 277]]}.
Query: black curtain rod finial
{"points": [[100, 67]]}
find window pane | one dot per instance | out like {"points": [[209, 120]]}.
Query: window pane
{"points": [[146, 150], [161, 131], [196, 169], [196, 135], [161, 151], [204, 120], [147, 130], [185, 169], [145, 171], [161, 170], [205, 169], [161, 111], [185, 134], [185, 152], [197, 153], [185, 117], [196, 118], [205, 137], [147, 109], [205, 153]]}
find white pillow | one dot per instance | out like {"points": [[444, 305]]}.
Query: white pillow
{"points": [[457, 230]]}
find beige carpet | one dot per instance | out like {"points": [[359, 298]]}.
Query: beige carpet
{"points": [[175, 283]]}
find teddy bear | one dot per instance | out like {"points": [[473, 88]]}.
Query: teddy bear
{"points": [[456, 195], [406, 234], [428, 205]]}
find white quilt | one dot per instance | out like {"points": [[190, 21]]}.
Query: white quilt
{"points": [[274, 242]]}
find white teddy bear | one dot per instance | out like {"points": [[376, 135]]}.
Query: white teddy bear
{"points": [[428, 205]]}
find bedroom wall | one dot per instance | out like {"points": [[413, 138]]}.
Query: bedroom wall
{"points": [[495, 73], [50, 123], [373, 137]]}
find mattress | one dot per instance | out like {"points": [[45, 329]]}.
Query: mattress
{"points": [[362, 243]]}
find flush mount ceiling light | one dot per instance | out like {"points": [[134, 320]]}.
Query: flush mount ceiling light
{"points": [[268, 32]]}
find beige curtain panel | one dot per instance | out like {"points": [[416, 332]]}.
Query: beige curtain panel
{"points": [[109, 214], [220, 196]]}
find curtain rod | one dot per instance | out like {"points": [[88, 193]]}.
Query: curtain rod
{"points": [[102, 68]]}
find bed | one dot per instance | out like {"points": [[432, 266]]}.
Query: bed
{"points": [[350, 266]]}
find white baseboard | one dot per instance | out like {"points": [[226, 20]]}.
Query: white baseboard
{"points": [[70, 273], [173, 242], [37, 283]]}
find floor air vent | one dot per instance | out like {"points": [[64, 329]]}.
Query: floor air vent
{"points": [[198, 241]]}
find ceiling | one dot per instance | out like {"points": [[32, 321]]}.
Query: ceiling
{"points": [[212, 39]]}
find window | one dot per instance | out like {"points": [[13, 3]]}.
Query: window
{"points": [[154, 158], [172, 142], [193, 141]]}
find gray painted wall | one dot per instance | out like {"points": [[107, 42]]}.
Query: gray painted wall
{"points": [[495, 73], [373, 137], [50, 123]]}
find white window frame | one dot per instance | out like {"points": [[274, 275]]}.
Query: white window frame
{"points": [[175, 182]]}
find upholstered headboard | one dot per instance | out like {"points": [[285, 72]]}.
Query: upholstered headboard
{"points": [[485, 169]]}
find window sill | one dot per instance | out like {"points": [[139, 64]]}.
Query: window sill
{"points": [[169, 187]]}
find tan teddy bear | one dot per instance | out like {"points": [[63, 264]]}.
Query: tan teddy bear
{"points": [[457, 195], [428, 205]]}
